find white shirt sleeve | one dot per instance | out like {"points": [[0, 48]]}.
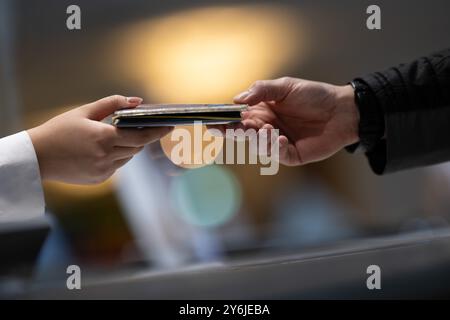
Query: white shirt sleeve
{"points": [[21, 194]]}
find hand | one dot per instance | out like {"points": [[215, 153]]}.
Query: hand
{"points": [[75, 147], [315, 120]]}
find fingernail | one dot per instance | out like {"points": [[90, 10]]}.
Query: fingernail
{"points": [[242, 95], [134, 100]]}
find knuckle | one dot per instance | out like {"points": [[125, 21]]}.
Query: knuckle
{"points": [[116, 99], [100, 168], [259, 84], [100, 153], [104, 134], [112, 100], [285, 84], [286, 79]]}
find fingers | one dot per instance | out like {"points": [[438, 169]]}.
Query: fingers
{"points": [[265, 137], [105, 168], [265, 91], [120, 163], [268, 140], [288, 152], [139, 137], [102, 108], [119, 153], [316, 148], [247, 122]]}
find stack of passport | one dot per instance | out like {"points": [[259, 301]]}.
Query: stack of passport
{"points": [[158, 115]]}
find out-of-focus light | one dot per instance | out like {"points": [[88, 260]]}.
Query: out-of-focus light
{"points": [[80, 191], [207, 197], [200, 137], [204, 55], [210, 54]]}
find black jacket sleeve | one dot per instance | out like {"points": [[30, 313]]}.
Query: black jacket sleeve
{"points": [[415, 101]]}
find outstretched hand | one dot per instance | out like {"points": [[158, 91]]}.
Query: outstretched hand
{"points": [[76, 147], [315, 120]]}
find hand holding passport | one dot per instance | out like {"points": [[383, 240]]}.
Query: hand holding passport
{"points": [[162, 115]]}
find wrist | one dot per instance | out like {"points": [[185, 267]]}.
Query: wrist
{"points": [[346, 104], [371, 117], [37, 139]]}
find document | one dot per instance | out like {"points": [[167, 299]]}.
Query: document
{"points": [[157, 115]]}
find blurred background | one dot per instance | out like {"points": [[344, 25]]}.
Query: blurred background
{"points": [[160, 216]]}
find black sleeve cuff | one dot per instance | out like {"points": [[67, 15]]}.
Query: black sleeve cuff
{"points": [[415, 102]]}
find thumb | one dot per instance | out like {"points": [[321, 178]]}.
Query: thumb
{"points": [[102, 108], [265, 91]]}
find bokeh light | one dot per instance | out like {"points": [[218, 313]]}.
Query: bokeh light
{"points": [[210, 54], [200, 138], [207, 197]]}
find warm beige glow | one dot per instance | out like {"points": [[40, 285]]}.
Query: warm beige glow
{"points": [[167, 144], [210, 54], [80, 191]]}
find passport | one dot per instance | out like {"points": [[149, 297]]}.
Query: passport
{"points": [[159, 115]]}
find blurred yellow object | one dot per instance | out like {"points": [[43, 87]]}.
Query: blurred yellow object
{"points": [[208, 55], [80, 191], [200, 137]]}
